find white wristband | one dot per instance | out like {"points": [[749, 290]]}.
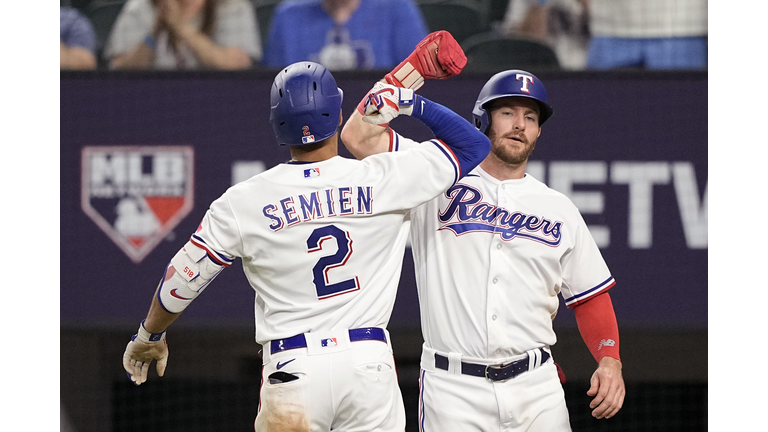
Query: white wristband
{"points": [[144, 336], [407, 98]]}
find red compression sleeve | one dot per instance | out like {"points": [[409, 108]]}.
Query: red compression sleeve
{"points": [[597, 325]]}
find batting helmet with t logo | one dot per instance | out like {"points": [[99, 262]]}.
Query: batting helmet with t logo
{"points": [[306, 104], [516, 83]]}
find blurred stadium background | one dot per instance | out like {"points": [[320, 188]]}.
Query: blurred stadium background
{"points": [[629, 147]]}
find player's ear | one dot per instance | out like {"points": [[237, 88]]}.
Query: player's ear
{"points": [[341, 117]]}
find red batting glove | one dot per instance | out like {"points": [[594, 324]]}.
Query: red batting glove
{"points": [[438, 56]]}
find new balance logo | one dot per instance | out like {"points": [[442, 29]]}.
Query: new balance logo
{"points": [[606, 342]]}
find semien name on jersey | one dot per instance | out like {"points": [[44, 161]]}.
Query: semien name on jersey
{"points": [[343, 201]]}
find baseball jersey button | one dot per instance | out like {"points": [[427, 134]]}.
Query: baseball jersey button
{"points": [[498, 246], [495, 280], [493, 317]]}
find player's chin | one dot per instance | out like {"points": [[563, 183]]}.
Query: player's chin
{"points": [[512, 156]]}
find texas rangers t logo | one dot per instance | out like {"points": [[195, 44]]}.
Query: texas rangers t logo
{"points": [[526, 79], [136, 194]]}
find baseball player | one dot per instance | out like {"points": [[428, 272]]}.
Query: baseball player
{"points": [[492, 254], [321, 239]]}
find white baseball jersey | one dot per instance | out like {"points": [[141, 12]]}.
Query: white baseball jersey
{"points": [[491, 258], [322, 243]]}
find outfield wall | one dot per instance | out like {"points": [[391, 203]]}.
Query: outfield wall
{"points": [[629, 148]]}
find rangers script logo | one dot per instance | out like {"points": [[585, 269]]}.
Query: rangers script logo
{"points": [[137, 195], [467, 213]]}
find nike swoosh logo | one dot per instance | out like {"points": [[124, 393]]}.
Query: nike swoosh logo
{"points": [[173, 293], [280, 365]]}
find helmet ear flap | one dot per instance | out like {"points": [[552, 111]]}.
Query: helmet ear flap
{"points": [[482, 120]]}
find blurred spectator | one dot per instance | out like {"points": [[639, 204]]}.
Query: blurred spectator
{"points": [[78, 40], [562, 24], [344, 34], [184, 34], [652, 34]]}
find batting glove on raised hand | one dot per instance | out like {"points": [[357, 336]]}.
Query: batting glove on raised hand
{"points": [[385, 102], [437, 56], [141, 350]]}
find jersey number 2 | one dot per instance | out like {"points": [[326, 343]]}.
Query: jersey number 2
{"points": [[320, 271]]}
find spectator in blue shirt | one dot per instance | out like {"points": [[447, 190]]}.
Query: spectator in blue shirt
{"points": [[344, 34], [78, 40], [650, 34]]}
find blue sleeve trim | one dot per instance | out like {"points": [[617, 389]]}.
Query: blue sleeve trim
{"points": [[588, 293], [215, 256]]}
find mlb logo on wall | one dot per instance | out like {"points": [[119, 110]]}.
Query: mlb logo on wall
{"points": [[137, 195]]}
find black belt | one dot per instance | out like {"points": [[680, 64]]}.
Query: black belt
{"points": [[492, 372], [299, 341]]}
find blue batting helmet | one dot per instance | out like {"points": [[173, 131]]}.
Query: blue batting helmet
{"points": [[517, 83], [306, 104]]}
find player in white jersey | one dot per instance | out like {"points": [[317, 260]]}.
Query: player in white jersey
{"points": [[491, 256], [321, 239]]}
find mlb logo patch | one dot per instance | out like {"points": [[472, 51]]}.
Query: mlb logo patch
{"points": [[137, 194], [328, 342], [312, 172], [308, 139]]}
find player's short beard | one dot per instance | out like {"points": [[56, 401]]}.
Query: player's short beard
{"points": [[508, 154]]}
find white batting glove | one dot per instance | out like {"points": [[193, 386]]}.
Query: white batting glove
{"points": [[385, 102], [141, 350]]}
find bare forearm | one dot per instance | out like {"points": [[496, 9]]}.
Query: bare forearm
{"points": [[141, 57], [76, 58], [364, 139], [158, 319], [211, 54]]}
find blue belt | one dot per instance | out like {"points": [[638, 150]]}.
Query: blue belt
{"points": [[355, 335], [492, 372]]}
